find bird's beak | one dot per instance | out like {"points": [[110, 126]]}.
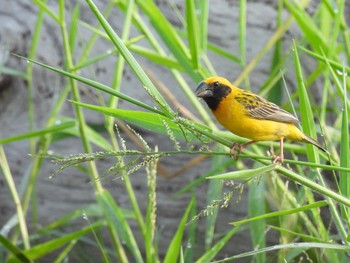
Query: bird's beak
{"points": [[203, 90]]}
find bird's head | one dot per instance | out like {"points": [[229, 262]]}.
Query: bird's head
{"points": [[213, 90]]}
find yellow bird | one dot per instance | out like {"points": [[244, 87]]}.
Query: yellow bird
{"points": [[250, 116]]}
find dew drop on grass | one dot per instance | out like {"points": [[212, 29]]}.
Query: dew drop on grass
{"points": [[84, 216], [57, 122], [189, 245], [341, 72], [50, 152], [28, 62]]}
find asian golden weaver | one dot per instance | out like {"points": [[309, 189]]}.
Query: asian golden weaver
{"points": [[250, 116]]}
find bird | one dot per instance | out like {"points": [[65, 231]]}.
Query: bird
{"points": [[250, 116]]}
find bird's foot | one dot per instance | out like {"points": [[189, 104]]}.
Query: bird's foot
{"points": [[240, 147], [233, 152], [278, 159]]}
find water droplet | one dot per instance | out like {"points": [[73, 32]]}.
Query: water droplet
{"points": [[109, 51], [50, 152], [189, 245], [341, 72], [28, 62], [85, 216], [58, 122]]}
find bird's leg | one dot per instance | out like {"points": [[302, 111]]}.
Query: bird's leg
{"points": [[240, 149], [279, 158]]}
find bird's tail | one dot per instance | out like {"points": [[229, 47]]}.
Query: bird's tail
{"points": [[314, 142]]}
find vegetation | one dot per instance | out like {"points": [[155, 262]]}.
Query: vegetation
{"points": [[285, 199]]}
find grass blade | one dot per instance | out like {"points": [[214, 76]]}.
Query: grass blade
{"points": [[136, 68], [257, 207], [118, 222], [14, 250], [95, 85], [174, 248], [193, 33], [215, 249], [244, 174], [214, 193], [344, 180], [52, 245], [56, 128], [280, 213]]}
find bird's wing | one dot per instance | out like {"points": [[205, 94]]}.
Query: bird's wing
{"points": [[259, 108]]}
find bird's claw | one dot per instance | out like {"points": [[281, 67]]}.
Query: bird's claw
{"points": [[278, 159], [234, 153]]}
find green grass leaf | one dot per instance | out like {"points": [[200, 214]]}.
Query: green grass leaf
{"points": [[169, 36], [134, 65], [306, 111], [151, 121], [216, 248], [14, 250], [193, 32], [244, 174], [280, 213], [56, 128], [257, 207], [174, 248], [48, 247], [117, 220]]}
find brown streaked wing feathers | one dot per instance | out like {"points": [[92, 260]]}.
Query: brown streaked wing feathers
{"points": [[259, 108]]}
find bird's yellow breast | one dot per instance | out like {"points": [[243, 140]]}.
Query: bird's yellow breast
{"points": [[232, 115]]}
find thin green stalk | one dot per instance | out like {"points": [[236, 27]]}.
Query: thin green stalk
{"points": [[31, 108], [113, 101], [242, 37], [309, 128], [76, 96], [134, 65], [17, 200], [275, 37], [179, 78], [44, 143], [90, 43], [43, 6], [31, 55]]}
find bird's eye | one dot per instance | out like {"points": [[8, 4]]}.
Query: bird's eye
{"points": [[216, 84]]}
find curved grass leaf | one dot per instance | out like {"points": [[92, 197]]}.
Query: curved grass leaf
{"points": [[174, 248], [117, 220], [56, 128], [14, 250], [48, 247], [146, 120], [244, 174], [134, 65], [304, 245], [280, 213], [215, 249]]}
